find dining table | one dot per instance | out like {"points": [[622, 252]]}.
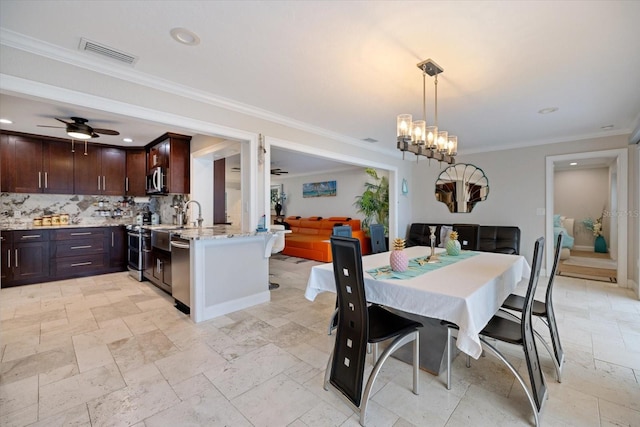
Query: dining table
{"points": [[467, 289]]}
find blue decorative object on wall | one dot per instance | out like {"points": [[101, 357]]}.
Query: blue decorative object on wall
{"points": [[405, 187], [600, 245]]}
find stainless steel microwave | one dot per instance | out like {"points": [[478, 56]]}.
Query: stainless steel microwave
{"points": [[156, 181]]}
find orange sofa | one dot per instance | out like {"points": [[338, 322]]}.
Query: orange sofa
{"points": [[309, 237]]}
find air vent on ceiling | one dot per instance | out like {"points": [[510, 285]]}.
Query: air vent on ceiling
{"points": [[106, 51], [370, 140]]}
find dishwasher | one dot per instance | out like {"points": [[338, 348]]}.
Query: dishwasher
{"points": [[181, 273]]}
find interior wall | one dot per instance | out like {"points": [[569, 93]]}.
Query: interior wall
{"points": [[582, 194], [349, 184], [517, 188]]}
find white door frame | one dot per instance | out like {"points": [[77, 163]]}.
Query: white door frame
{"points": [[621, 160]]}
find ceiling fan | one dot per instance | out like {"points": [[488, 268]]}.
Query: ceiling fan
{"points": [[277, 171], [79, 129]]}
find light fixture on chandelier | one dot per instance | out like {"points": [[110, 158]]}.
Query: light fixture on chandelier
{"points": [[420, 139]]}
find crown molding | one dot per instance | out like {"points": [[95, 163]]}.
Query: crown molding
{"points": [[77, 59]]}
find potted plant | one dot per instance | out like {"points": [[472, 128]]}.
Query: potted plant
{"points": [[374, 201]]}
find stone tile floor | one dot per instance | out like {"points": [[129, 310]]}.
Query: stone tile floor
{"points": [[110, 351]]}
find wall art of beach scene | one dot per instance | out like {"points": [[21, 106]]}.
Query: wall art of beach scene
{"points": [[319, 189]]}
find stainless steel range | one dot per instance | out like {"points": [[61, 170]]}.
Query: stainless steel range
{"points": [[139, 250]]}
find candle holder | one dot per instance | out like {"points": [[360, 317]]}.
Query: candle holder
{"points": [[433, 257]]}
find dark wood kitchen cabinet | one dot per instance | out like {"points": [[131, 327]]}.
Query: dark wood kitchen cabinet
{"points": [[171, 153], [25, 257], [161, 264], [117, 248], [77, 252], [136, 179], [100, 170], [32, 165]]}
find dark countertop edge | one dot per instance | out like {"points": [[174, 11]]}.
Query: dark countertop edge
{"points": [[58, 227]]}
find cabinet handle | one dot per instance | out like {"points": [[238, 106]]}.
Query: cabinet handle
{"points": [[126, 184], [98, 182], [39, 179], [46, 181], [79, 264], [104, 183], [8, 258], [81, 234], [30, 236], [158, 265], [80, 247], [16, 259], [112, 239]]}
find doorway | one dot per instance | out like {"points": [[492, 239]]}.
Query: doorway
{"points": [[618, 202]]}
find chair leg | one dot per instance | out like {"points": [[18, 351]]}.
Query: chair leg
{"points": [[553, 357], [416, 363], [327, 372], [555, 341], [333, 316], [518, 377], [395, 344], [449, 339]]}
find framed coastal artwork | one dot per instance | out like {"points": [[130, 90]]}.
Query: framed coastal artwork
{"points": [[319, 189]]}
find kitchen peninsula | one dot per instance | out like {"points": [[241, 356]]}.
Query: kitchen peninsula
{"points": [[229, 269]]}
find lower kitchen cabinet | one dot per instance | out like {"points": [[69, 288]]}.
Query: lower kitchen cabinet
{"points": [[34, 256], [118, 248], [25, 257], [160, 269]]}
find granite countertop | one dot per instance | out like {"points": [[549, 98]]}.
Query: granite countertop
{"points": [[213, 232]]}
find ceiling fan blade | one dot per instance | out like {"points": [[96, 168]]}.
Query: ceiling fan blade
{"points": [[106, 131], [60, 120], [45, 126]]}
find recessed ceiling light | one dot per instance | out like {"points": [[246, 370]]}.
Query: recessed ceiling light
{"points": [[184, 36], [127, 139], [548, 110], [573, 164], [607, 127], [6, 121]]}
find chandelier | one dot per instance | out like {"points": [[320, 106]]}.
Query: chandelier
{"points": [[416, 137]]}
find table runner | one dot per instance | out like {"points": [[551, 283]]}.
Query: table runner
{"points": [[418, 266]]}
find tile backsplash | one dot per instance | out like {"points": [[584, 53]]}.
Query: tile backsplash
{"points": [[20, 209]]}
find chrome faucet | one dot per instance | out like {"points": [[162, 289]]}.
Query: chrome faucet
{"points": [[199, 210]]}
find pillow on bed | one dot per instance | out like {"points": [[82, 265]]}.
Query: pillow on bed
{"points": [[567, 239], [557, 221]]}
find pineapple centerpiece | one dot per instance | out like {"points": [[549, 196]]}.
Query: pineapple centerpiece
{"points": [[453, 245], [398, 259]]}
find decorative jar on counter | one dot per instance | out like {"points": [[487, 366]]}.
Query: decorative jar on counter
{"points": [[55, 219], [64, 219], [46, 220], [37, 222]]}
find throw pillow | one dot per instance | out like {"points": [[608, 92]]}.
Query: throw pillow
{"points": [[557, 222]]}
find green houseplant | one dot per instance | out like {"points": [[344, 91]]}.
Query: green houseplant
{"points": [[374, 201]]}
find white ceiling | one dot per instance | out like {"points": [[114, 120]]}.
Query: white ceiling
{"points": [[350, 67]]}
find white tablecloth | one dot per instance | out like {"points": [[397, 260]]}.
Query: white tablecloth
{"points": [[467, 293]]}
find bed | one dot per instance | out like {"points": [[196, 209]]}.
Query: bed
{"points": [[565, 225]]}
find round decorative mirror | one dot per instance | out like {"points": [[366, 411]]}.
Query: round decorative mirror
{"points": [[461, 186]]}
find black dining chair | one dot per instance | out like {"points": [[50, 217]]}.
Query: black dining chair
{"points": [[344, 231], [359, 325], [378, 244], [518, 333], [544, 310]]}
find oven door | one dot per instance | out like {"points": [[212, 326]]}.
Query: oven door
{"points": [[134, 252]]}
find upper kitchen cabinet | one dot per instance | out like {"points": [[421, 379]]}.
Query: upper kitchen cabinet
{"points": [[135, 182], [168, 164], [100, 170], [33, 165]]}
